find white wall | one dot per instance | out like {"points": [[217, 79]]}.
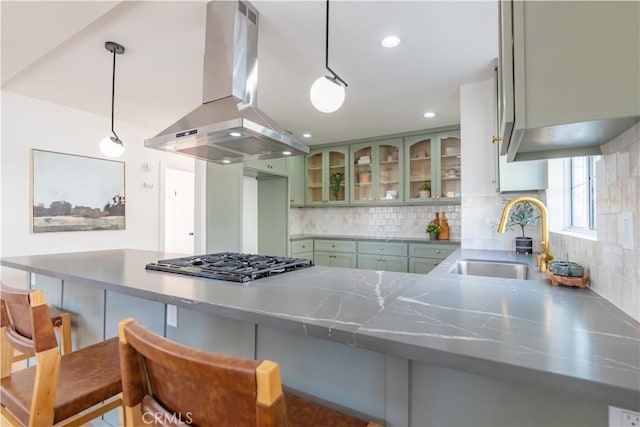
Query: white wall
{"points": [[249, 215], [481, 205], [29, 123]]}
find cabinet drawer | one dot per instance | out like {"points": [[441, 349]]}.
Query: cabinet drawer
{"points": [[306, 255], [331, 259], [334, 245], [301, 246], [383, 263], [430, 251], [378, 248], [423, 265]]}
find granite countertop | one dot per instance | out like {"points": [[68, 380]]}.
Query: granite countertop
{"points": [[298, 237], [524, 331]]}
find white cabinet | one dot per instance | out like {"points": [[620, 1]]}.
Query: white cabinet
{"points": [[575, 75]]}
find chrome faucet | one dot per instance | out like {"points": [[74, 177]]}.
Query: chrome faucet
{"points": [[544, 257]]}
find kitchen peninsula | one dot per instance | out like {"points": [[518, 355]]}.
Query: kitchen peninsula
{"points": [[406, 349]]}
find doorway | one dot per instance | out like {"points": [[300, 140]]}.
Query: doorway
{"points": [[179, 197]]}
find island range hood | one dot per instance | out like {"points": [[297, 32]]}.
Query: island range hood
{"points": [[228, 127]]}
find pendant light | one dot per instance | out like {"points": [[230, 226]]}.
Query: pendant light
{"points": [[327, 93], [112, 146]]}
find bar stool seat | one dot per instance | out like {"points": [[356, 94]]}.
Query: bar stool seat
{"points": [[69, 390], [87, 377]]}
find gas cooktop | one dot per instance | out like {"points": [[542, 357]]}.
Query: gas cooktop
{"points": [[236, 267]]}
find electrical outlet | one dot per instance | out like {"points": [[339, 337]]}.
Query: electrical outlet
{"points": [[619, 417], [172, 315]]}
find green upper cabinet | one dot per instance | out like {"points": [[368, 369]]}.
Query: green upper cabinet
{"points": [[295, 166], [450, 172], [433, 167], [419, 159], [377, 172], [327, 176]]}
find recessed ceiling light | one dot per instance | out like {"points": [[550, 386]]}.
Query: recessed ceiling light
{"points": [[226, 161], [286, 153], [170, 147], [306, 135], [235, 134], [429, 115], [390, 41]]}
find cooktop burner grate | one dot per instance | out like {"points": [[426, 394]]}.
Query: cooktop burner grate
{"points": [[236, 267]]}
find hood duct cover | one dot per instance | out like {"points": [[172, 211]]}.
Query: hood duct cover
{"points": [[228, 127]]}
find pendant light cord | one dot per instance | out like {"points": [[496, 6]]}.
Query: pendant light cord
{"points": [[113, 96], [326, 58]]}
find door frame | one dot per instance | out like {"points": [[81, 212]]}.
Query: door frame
{"points": [[164, 165]]}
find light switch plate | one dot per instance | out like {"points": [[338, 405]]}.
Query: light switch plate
{"points": [[172, 315]]}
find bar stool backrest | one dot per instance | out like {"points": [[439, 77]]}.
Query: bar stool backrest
{"points": [[168, 383], [26, 318]]}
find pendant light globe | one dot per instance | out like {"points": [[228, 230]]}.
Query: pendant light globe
{"points": [[327, 94], [110, 146]]}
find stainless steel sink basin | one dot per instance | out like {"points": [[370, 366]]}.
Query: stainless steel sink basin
{"points": [[501, 269]]}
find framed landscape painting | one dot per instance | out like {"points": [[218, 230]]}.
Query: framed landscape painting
{"points": [[76, 193]]}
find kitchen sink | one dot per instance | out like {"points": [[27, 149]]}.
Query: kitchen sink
{"points": [[501, 269]]}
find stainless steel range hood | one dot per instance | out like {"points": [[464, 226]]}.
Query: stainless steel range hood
{"points": [[228, 127]]}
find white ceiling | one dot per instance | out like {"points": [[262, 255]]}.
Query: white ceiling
{"points": [[54, 51]]}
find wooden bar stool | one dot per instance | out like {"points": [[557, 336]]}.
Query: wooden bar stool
{"points": [[164, 383], [67, 390], [62, 322]]}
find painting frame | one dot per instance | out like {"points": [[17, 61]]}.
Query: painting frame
{"points": [[71, 192]]}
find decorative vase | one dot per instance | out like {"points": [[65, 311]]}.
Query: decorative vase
{"points": [[424, 194], [524, 245], [433, 236]]}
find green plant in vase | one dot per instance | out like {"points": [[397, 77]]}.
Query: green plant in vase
{"points": [[424, 191], [433, 230], [335, 183], [523, 214]]}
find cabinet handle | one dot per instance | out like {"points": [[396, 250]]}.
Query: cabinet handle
{"points": [[493, 181], [381, 249], [333, 246], [381, 259], [495, 138], [304, 246], [437, 251], [269, 167]]}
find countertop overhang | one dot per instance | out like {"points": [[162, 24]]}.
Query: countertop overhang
{"points": [[523, 331]]}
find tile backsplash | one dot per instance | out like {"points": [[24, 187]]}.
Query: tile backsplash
{"points": [[612, 260], [375, 221]]}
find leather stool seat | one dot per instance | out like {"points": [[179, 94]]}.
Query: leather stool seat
{"points": [[69, 390], [83, 374]]}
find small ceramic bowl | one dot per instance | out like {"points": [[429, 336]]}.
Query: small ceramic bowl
{"points": [[576, 270], [560, 268]]}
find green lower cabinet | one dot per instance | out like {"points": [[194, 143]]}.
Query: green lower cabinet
{"points": [[302, 249], [423, 265], [335, 259], [383, 263]]}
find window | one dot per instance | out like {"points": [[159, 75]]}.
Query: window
{"points": [[583, 192]]}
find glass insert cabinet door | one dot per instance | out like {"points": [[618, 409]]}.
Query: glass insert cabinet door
{"points": [[327, 175], [377, 172], [363, 175], [450, 164], [419, 164]]}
